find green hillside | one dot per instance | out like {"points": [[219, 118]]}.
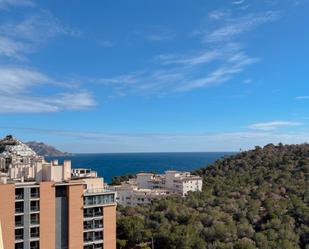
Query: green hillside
{"points": [[255, 199]]}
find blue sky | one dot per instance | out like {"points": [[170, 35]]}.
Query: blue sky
{"points": [[150, 76]]}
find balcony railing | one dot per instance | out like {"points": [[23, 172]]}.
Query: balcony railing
{"points": [[19, 223], [34, 208], [19, 236], [19, 210], [35, 235], [19, 197], [92, 226], [98, 238], [34, 221], [35, 195]]}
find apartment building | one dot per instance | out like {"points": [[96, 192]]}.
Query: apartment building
{"points": [[131, 195], [173, 181], [147, 187], [50, 206]]}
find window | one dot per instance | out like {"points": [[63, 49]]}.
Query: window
{"points": [[35, 193], [99, 199], [34, 206], [88, 237], [98, 235], [98, 246], [34, 232], [98, 223], [19, 221], [19, 246], [34, 219], [19, 234], [19, 207], [88, 224], [19, 193], [34, 245]]}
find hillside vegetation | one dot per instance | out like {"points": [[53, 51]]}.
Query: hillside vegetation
{"points": [[255, 199]]}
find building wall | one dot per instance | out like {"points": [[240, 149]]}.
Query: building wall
{"points": [[75, 216], [142, 180], [109, 223], [47, 215], [7, 214]]}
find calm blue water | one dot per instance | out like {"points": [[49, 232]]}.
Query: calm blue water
{"points": [[109, 165]]}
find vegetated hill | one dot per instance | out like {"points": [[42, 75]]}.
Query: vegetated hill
{"points": [[46, 150], [255, 199]]}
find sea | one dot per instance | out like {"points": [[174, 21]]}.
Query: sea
{"points": [[116, 164]]}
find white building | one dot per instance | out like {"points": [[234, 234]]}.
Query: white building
{"points": [[147, 187], [174, 181]]}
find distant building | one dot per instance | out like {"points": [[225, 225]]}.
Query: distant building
{"points": [[148, 186], [50, 206]]}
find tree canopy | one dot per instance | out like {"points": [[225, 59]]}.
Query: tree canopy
{"points": [[254, 199]]}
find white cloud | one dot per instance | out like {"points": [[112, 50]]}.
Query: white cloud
{"points": [[302, 97], [181, 73], [5, 4], [19, 92], [218, 14], [36, 28], [106, 44], [273, 125], [238, 26], [12, 49], [20, 38], [238, 2], [88, 141]]}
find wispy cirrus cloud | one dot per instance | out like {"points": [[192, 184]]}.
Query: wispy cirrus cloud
{"points": [[5, 4], [18, 38], [218, 14], [224, 59], [238, 2], [237, 26], [106, 44], [274, 125], [302, 97], [182, 73]]}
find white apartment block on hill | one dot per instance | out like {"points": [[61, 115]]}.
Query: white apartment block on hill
{"points": [[148, 186]]}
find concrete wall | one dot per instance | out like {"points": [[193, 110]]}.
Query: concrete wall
{"points": [[75, 216], [109, 222], [7, 214], [142, 180], [47, 215]]}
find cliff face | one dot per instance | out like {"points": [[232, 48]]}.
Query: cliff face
{"points": [[46, 150]]}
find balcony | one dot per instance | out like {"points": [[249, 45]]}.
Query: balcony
{"points": [[98, 246], [34, 233], [34, 245], [103, 199], [19, 221], [19, 245], [34, 219], [19, 234], [93, 224], [19, 194], [93, 236], [93, 212], [19, 207], [34, 206]]}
